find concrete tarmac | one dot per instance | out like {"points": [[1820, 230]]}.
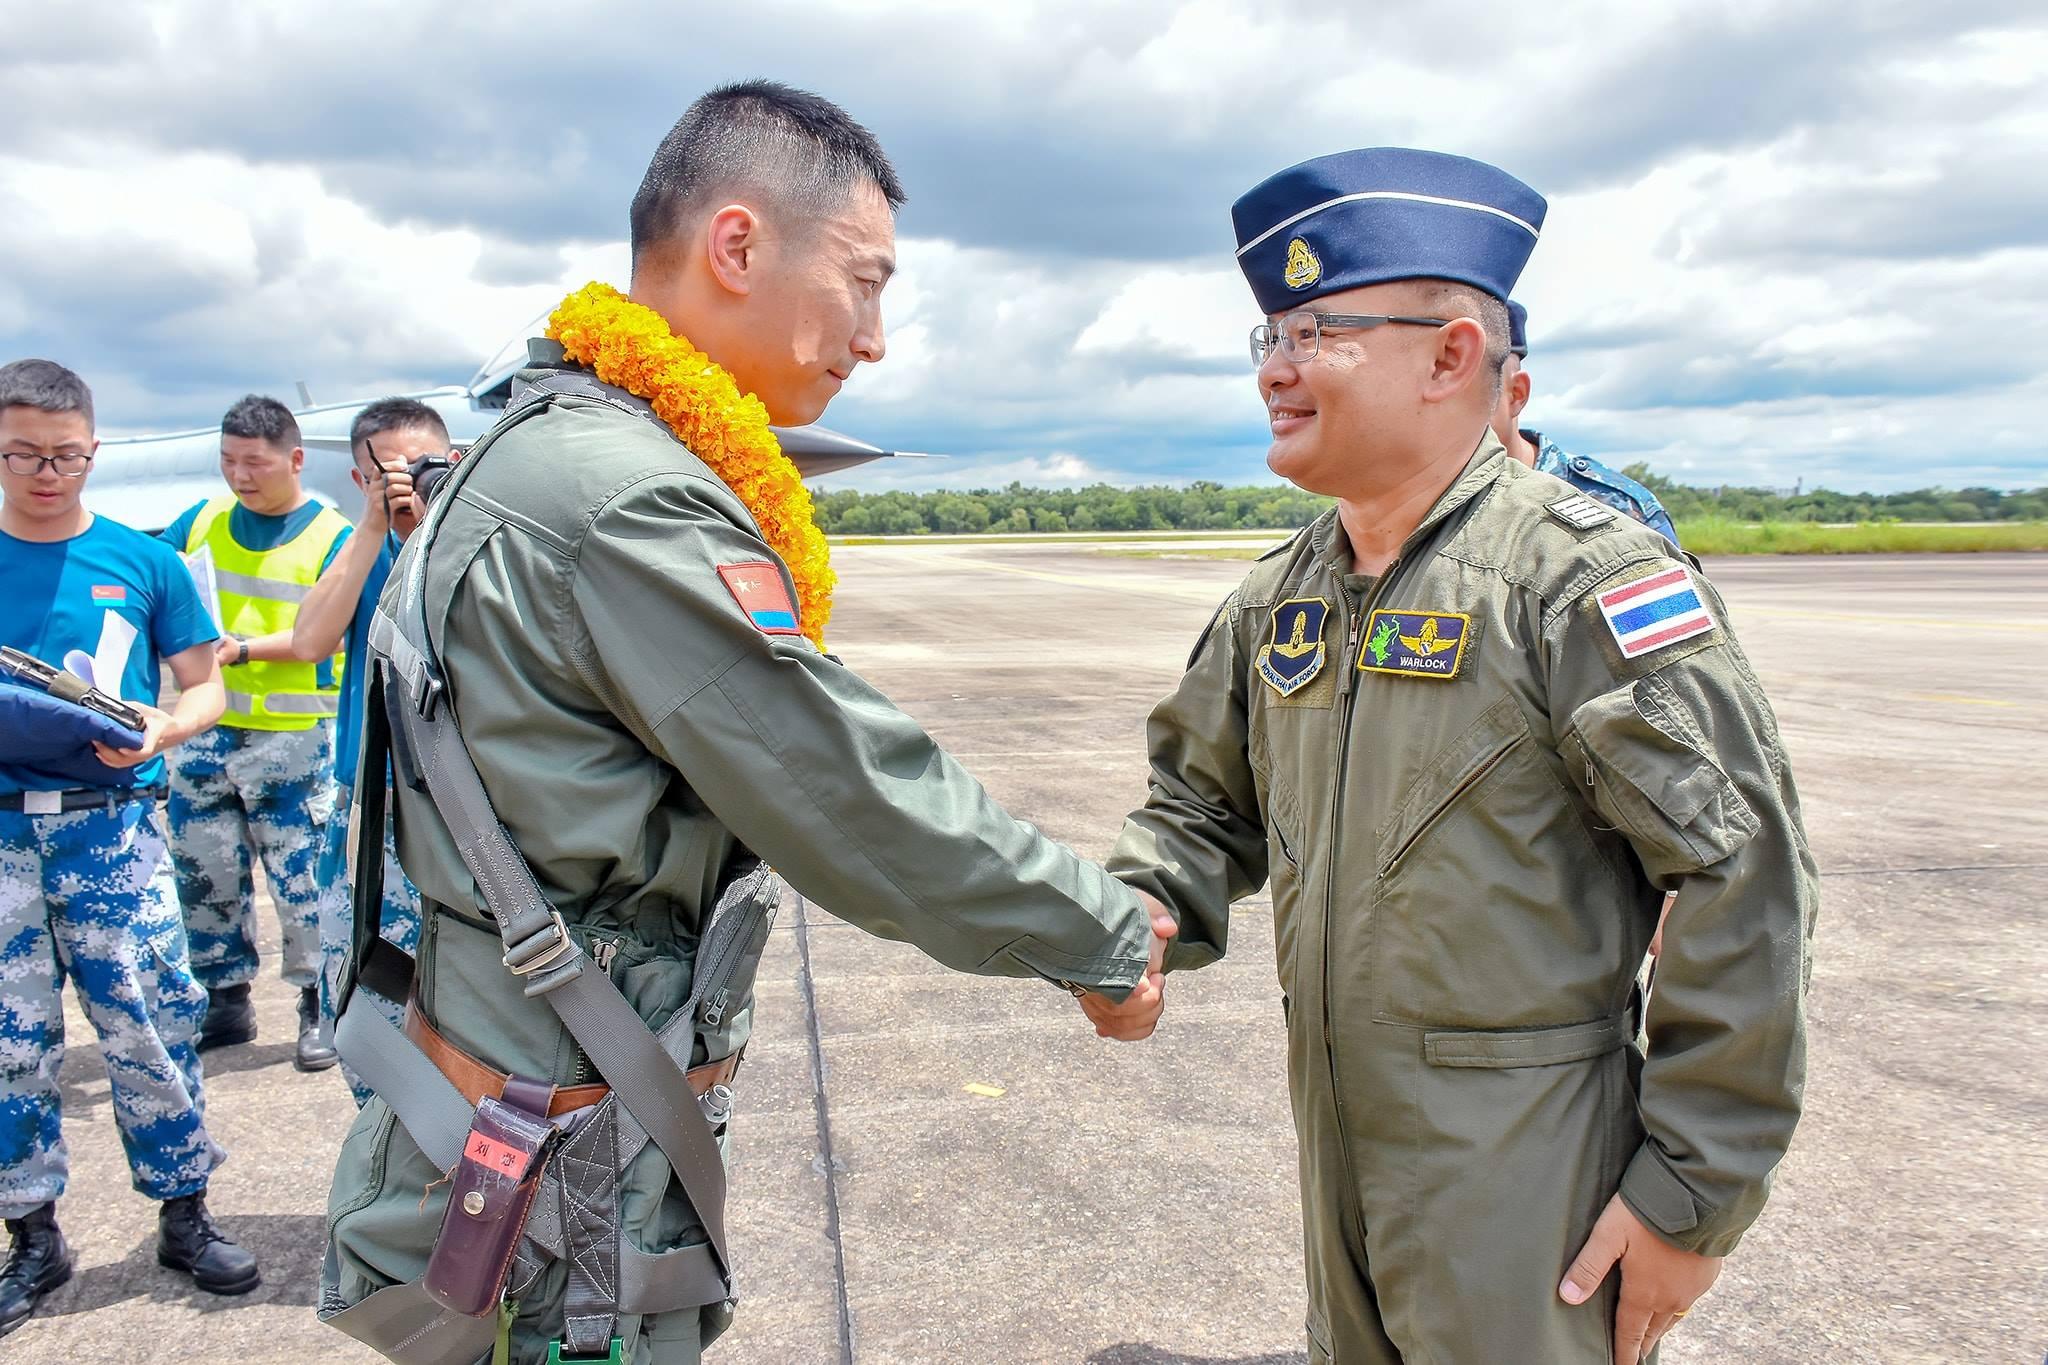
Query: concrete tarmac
{"points": [[934, 1167]]}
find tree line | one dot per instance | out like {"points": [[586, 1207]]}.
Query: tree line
{"points": [[1207, 506]]}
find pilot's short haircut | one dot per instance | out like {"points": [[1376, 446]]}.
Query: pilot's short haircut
{"points": [[761, 138], [264, 419], [45, 386], [394, 414]]}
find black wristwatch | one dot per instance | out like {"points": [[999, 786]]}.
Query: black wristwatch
{"points": [[241, 650]]}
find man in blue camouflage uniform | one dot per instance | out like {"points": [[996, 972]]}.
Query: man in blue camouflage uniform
{"points": [[384, 440], [262, 782], [1533, 448], [85, 882]]}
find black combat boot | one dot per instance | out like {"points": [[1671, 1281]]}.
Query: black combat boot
{"points": [[188, 1239], [314, 1053], [230, 1018], [38, 1262]]}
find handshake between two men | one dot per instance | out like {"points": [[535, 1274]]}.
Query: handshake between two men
{"points": [[1138, 1013]]}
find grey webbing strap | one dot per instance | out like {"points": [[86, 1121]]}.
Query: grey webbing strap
{"points": [[431, 1108], [588, 1167]]}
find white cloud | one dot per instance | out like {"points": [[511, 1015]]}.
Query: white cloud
{"points": [[1785, 234]]}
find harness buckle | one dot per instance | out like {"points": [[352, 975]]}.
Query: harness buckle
{"points": [[542, 950], [614, 1355], [428, 699]]}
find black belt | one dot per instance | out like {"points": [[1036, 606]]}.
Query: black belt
{"points": [[80, 798]]}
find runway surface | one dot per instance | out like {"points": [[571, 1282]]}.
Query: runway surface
{"points": [[935, 1167]]}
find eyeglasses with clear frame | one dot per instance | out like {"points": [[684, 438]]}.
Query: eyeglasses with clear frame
{"points": [[70, 464], [1299, 335]]}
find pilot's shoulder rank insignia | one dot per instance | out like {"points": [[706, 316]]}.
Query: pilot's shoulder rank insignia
{"points": [[1415, 644], [1294, 655], [1580, 512]]}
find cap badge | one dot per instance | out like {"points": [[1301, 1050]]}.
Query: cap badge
{"points": [[1303, 267]]}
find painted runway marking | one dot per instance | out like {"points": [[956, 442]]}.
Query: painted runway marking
{"points": [[1957, 700]]}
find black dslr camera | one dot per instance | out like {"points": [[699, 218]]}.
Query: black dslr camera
{"points": [[427, 472]]}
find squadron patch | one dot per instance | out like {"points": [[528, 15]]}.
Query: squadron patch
{"points": [[757, 586], [1304, 267], [1580, 512], [1295, 654], [1656, 611], [1415, 644]]}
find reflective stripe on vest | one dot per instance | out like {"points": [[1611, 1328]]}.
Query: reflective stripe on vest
{"points": [[260, 594], [316, 704]]}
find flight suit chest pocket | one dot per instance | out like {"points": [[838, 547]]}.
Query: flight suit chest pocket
{"points": [[1464, 765], [1491, 908]]}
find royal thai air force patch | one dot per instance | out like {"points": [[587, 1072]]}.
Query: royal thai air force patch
{"points": [[1294, 655]]}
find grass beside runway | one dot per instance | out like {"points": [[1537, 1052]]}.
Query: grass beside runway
{"points": [[1719, 536], [1722, 536]]}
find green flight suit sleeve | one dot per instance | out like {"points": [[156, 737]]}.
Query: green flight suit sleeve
{"points": [[817, 772], [1199, 841], [1678, 750]]}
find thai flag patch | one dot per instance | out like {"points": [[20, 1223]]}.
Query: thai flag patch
{"points": [[1655, 611], [757, 586]]}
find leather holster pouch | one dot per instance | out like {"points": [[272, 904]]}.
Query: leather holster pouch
{"points": [[493, 1190]]}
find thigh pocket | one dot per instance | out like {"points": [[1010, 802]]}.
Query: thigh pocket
{"points": [[382, 1216], [1508, 1048]]}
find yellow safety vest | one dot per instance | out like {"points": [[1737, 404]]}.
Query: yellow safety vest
{"points": [[260, 593]]}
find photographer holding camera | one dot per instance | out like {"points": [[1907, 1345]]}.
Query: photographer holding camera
{"points": [[400, 448]]}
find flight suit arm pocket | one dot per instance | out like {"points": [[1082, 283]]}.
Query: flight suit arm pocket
{"points": [[1499, 1050], [1644, 764]]}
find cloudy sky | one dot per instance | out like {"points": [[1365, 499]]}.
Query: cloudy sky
{"points": [[1789, 239]]}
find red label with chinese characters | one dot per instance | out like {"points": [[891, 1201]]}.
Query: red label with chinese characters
{"points": [[509, 1162]]}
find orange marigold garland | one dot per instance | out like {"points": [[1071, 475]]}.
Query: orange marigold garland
{"points": [[631, 346]]}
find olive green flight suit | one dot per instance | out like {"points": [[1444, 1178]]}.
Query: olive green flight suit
{"points": [[1466, 869], [636, 732]]}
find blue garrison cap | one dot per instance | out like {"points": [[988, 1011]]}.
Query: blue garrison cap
{"points": [[1384, 213], [1518, 328]]}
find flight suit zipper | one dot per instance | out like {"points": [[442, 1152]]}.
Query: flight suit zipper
{"points": [[602, 951], [1355, 628]]}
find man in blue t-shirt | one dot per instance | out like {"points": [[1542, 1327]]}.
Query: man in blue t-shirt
{"points": [[85, 881], [261, 781], [384, 440], [1533, 448]]}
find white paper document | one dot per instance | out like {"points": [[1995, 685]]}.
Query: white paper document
{"points": [[109, 660], [200, 563]]}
